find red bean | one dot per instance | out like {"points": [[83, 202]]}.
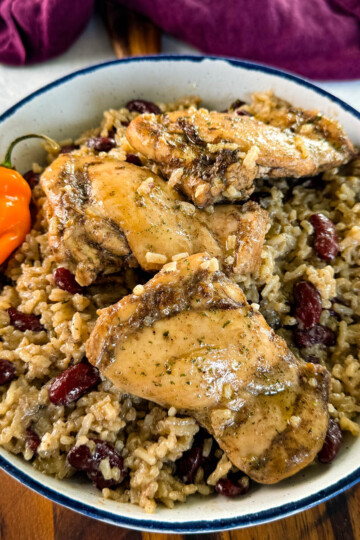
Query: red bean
{"points": [[316, 334], [102, 451], [230, 488], [73, 383], [32, 439], [189, 463], [102, 144], [142, 106], [66, 281], [23, 321], [134, 159], [32, 178], [68, 148], [326, 242], [332, 442], [308, 304], [7, 371], [81, 458]]}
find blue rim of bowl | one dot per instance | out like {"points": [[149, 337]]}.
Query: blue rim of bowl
{"points": [[256, 518]]}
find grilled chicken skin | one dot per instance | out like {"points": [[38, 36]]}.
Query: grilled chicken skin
{"points": [[214, 156], [189, 339], [80, 235], [104, 213]]}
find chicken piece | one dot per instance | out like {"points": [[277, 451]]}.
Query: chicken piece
{"points": [[243, 233], [80, 233], [188, 339], [102, 210], [213, 156]]}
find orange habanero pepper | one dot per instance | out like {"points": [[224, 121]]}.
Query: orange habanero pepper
{"points": [[15, 196]]}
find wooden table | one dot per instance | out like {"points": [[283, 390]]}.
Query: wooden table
{"points": [[28, 516]]}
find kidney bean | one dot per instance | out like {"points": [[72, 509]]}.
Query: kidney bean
{"points": [[134, 159], [73, 383], [308, 306], [101, 144], [189, 463], [316, 334], [231, 488], [32, 439], [68, 148], [332, 442], [102, 451], [23, 321], [7, 371], [326, 242], [191, 460], [65, 280], [32, 178], [142, 106], [81, 458]]}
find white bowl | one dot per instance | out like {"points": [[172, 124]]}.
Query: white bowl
{"points": [[76, 102]]}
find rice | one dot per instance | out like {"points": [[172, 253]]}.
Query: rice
{"points": [[150, 438]]}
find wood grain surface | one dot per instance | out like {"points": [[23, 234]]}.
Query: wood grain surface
{"points": [[130, 33], [28, 516]]}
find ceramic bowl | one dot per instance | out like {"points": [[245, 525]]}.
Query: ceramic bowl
{"points": [[66, 108]]}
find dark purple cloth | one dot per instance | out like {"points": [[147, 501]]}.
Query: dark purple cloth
{"points": [[35, 30], [316, 38]]}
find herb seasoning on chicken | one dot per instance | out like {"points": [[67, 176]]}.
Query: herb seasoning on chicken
{"points": [[190, 340]]}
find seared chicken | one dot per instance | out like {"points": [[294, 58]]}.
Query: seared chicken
{"points": [[104, 213], [213, 156], [80, 235], [188, 339]]}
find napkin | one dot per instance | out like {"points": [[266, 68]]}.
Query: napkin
{"points": [[315, 38]]}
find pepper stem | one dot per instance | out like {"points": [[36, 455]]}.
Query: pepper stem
{"points": [[7, 160]]}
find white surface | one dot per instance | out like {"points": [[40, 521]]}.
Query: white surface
{"points": [[79, 103], [93, 47]]}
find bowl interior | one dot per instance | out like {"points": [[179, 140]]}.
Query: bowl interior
{"points": [[68, 107]]}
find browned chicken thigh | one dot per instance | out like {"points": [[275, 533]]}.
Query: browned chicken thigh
{"points": [[188, 339], [105, 213], [213, 156]]}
